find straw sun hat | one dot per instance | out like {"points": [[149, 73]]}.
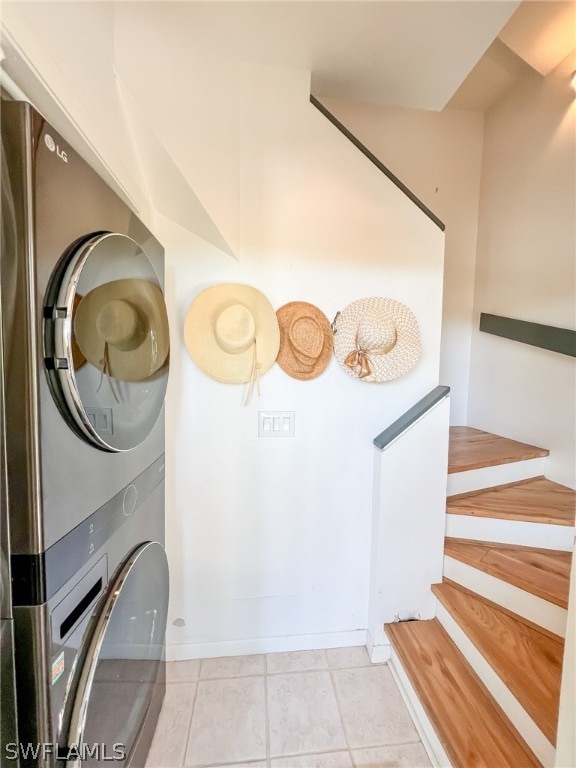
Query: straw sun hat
{"points": [[231, 333], [121, 328], [305, 340], [376, 339]]}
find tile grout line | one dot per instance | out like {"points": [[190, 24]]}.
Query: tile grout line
{"points": [[266, 716], [190, 724], [338, 707], [291, 672]]}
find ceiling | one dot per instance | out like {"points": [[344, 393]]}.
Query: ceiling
{"points": [[395, 53], [538, 36], [150, 89]]}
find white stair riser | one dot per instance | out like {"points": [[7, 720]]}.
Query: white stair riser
{"points": [[520, 719], [535, 609], [542, 535], [430, 740], [489, 477]]}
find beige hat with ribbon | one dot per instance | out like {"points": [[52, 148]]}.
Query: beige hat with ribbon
{"points": [[231, 333], [121, 328], [376, 339], [305, 340]]}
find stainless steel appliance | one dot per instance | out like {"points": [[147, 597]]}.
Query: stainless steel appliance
{"points": [[90, 659], [84, 454], [8, 727]]}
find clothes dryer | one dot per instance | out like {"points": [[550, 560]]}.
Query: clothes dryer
{"points": [[76, 434]]}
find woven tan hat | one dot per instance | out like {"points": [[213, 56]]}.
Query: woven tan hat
{"points": [[121, 328], [376, 339], [231, 333], [305, 340]]}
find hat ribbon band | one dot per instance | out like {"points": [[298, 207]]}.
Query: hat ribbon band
{"points": [[105, 363], [254, 376], [359, 361]]}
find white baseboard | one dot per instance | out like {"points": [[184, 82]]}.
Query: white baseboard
{"points": [[520, 602], [379, 654], [430, 740], [520, 719], [489, 477], [519, 532], [186, 651]]}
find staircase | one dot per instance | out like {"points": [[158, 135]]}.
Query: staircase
{"points": [[483, 677]]}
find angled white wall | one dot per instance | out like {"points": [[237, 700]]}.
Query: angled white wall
{"points": [[438, 155], [269, 540], [526, 267]]}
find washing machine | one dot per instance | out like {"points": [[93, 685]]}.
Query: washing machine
{"points": [[84, 444], [90, 660]]}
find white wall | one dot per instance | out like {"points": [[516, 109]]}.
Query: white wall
{"points": [[438, 156], [527, 266], [269, 540]]}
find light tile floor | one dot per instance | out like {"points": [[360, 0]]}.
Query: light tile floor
{"points": [[310, 709]]}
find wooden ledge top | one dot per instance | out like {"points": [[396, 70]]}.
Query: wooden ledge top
{"points": [[473, 449]]}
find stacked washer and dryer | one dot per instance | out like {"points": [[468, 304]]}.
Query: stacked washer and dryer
{"points": [[85, 367]]}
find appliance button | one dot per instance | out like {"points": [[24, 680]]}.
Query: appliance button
{"points": [[129, 501]]}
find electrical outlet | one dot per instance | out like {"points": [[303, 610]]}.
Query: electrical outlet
{"points": [[276, 423]]}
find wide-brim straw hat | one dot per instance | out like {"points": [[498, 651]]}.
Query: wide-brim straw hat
{"points": [[231, 333], [376, 339], [305, 340], [121, 328]]}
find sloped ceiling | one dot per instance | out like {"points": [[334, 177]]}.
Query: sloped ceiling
{"points": [[397, 53], [538, 36], [150, 86], [542, 33]]}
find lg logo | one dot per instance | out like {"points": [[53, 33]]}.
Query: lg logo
{"points": [[53, 147]]}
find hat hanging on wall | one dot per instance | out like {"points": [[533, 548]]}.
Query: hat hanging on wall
{"points": [[231, 333], [305, 340], [376, 339], [121, 328]]}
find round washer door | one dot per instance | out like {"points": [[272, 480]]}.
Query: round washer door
{"points": [[106, 341], [122, 662]]}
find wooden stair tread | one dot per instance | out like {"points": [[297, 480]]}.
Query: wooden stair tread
{"points": [[472, 449], [537, 501], [542, 572], [529, 662], [472, 728]]}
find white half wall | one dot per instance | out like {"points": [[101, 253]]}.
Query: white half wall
{"points": [[408, 519], [527, 267], [438, 156], [269, 539]]}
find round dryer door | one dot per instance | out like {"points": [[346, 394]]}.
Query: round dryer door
{"points": [[107, 342], [122, 664]]}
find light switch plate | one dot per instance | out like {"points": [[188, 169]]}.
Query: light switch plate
{"points": [[276, 423]]}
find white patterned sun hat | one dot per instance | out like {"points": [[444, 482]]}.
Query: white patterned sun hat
{"points": [[376, 339]]}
